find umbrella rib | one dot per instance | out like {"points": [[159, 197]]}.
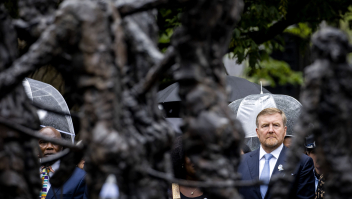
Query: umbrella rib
{"points": [[36, 134], [55, 111], [41, 96]]}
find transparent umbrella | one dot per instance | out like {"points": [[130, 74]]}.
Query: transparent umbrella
{"points": [[247, 109], [46, 96]]}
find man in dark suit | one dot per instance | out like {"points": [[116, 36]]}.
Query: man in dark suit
{"points": [[318, 175], [270, 158], [74, 187]]}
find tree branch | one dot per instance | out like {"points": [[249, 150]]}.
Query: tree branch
{"points": [[260, 37], [292, 17]]}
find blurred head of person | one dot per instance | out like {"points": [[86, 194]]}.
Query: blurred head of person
{"points": [[48, 148], [287, 141], [81, 163], [271, 128], [310, 151], [182, 165]]}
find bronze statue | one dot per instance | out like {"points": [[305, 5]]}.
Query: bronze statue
{"points": [[106, 52], [326, 114]]}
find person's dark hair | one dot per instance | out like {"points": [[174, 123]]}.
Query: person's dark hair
{"points": [[309, 151], [178, 158], [245, 148]]}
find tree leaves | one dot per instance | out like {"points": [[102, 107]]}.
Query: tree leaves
{"points": [[262, 22], [274, 71]]}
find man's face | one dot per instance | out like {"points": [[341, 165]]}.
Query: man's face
{"points": [[287, 141], [314, 157], [271, 131], [48, 148]]}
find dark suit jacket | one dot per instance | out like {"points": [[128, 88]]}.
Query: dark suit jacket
{"points": [[74, 187], [303, 186]]}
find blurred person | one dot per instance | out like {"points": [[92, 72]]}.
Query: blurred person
{"points": [[183, 169], [287, 141], [319, 177], [81, 163], [74, 187], [269, 159]]}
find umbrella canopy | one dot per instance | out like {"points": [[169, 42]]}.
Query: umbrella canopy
{"points": [[247, 109], [46, 96], [240, 88], [175, 123]]}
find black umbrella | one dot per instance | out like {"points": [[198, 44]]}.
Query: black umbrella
{"points": [[240, 88], [46, 96]]}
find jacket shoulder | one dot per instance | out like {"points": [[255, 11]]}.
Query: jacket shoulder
{"points": [[305, 158], [79, 172], [248, 155]]}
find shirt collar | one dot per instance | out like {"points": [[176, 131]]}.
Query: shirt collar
{"points": [[56, 165], [275, 153], [316, 175]]}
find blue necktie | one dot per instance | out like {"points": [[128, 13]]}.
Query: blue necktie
{"points": [[265, 176]]}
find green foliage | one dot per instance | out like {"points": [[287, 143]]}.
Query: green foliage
{"points": [[259, 31], [283, 7], [301, 29], [168, 20], [272, 71], [346, 26]]}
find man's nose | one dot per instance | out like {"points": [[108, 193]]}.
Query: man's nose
{"points": [[271, 128], [50, 146]]}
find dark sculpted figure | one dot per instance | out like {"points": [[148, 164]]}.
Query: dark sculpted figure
{"points": [[212, 135], [106, 52], [85, 41], [18, 155], [327, 113]]}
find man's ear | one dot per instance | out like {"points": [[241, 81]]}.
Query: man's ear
{"points": [[256, 130], [285, 130]]}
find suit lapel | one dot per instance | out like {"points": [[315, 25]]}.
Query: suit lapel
{"points": [[280, 161], [51, 191], [253, 165]]}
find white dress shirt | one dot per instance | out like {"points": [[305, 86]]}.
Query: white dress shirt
{"points": [[316, 180], [272, 161], [55, 167]]}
